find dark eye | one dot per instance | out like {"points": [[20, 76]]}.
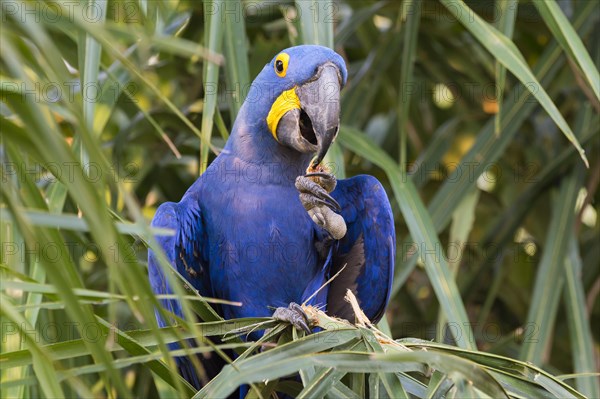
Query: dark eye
{"points": [[279, 66]]}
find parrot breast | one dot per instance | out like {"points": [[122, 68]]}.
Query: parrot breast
{"points": [[261, 243]]}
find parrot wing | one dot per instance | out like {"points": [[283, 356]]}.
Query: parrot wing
{"points": [[183, 251], [366, 253]]}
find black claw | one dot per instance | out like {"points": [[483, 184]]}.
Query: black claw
{"points": [[310, 201], [332, 203], [304, 185], [303, 326], [295, 315], [298, 308]]}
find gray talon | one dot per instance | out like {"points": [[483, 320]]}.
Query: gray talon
{"points": [[298, 308], [307, 186], [295, 315], [310, 201], [314, 196]]}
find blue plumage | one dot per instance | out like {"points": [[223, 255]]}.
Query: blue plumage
{"points": [[242, 234]]}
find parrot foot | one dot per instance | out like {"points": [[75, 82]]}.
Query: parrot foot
{"points": [[293, 314], [314, 191]]}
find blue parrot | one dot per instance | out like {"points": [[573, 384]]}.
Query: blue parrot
{"points": [[256, 228]]}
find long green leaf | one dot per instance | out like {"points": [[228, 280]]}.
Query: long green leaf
{"points": [[90, 51], [150, 359], [507, 53], [349, 26], [134, 348], [104, 37], [237, 69], [225, 383], [42, 133], [500, 364], [411, 32], [146, 338], [356, 362], [421, 229], [214, 30], [508, 221], [316, 21], [75, 223], [35, 270], [506, 15], [391, 383], [488, 148], [321, 383], [549, 282], [44, 370], [582, 341], [463, 219], [571, 43]]}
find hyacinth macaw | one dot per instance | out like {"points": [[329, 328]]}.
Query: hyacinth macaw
{"points": [[255, 229]]}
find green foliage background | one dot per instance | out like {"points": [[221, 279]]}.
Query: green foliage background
{"points": [[473, 115]]}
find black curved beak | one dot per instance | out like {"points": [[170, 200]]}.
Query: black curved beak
{"points": [[320, 109]]}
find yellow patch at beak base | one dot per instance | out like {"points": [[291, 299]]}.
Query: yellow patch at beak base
{"points": [[286, 101]]}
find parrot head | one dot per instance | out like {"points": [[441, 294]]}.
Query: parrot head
{"points": [[299, 92]]}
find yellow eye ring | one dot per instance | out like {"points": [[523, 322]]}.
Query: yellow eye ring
{"points": [[281, 64]]}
